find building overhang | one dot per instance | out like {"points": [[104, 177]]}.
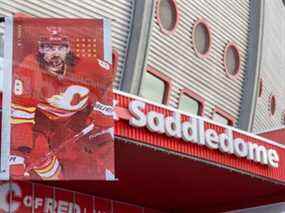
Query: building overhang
{"points": [[166, 173], [157, 179]]}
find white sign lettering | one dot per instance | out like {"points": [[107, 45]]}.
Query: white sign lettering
{"points": [[5, 190], [194, 131], [48, 204]]}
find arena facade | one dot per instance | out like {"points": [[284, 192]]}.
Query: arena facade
{"points": [[220, 62]]}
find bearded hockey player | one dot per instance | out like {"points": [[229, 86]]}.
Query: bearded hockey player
{"points": [[62, 114]]}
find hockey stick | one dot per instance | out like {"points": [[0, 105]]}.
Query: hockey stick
{"points": [[72, 140]]}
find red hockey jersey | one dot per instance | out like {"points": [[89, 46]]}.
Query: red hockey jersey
{"points": [[50, 113]]}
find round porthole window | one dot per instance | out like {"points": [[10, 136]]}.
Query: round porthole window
{"points": [[283, 118], [167, 15], [272, 104], [201, 38], [260, 89], [232, 60]]}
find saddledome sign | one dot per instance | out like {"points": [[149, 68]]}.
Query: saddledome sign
{"points": [[193, 131]]}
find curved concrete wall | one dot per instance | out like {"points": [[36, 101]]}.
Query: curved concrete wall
{"points": [[272, 67]]}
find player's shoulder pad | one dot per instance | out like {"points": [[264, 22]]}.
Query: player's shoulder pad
{"points": [[29, 61]]}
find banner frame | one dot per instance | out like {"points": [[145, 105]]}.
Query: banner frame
{"points": [[6, 105]]}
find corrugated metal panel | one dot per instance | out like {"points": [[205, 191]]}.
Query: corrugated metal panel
{"points": [[120, 11], [272, 67], [174, 55]]}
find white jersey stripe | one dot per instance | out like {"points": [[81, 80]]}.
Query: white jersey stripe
{"points": [[22, 114], [50, 173]]}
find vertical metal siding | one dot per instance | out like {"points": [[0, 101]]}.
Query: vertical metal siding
{"points": [[272, 67], [120, 11], [174, 55]]}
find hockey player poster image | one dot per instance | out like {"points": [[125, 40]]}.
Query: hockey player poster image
{"points": [[60, 100]]}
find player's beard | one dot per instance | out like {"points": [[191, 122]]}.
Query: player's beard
{"points": [[56, 65]]}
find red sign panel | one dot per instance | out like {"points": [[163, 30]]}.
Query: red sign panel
{"points": [[58, 96], [64, 201], [28, 197], [103, 205], [196, 137], [124, 207], [85, 202], [43, 198]]}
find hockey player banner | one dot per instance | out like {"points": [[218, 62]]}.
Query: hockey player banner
{"points": [[58, 107]]}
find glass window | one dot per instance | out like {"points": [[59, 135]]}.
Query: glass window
{"points": [[188, 104], [221, 119], [201, 38], [167, 15], [153, 88], [232, 60]]}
